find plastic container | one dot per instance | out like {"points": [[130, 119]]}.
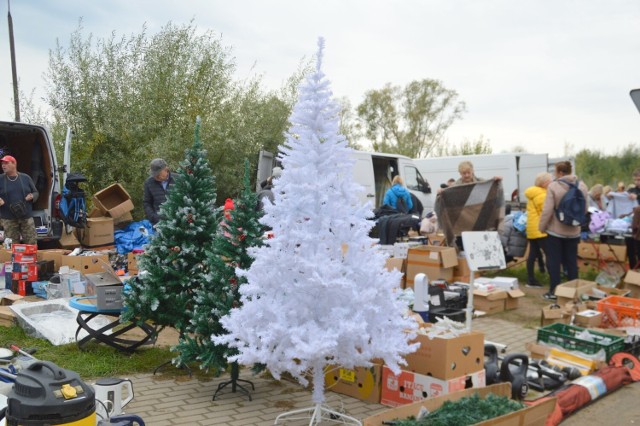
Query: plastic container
{"points": [[564, 335], [618, 311]]}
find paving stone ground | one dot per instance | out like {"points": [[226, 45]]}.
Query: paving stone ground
{"points": [[184, 401]]}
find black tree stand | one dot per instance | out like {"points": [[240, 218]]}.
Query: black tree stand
{"points": [[235, 373]]}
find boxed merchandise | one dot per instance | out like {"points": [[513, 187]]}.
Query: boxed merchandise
{"points": [[86, 264], [68, 239], [113, 200], [553, 314], [447, 358], [55, 255], [434, 261], [489, 302], [529, 416], [573, 289], [24, 248], [632, 283], [588, 318], [408, 387], [132, 263], [513, 299], [363, 383], [505, 283], [98, 232]]}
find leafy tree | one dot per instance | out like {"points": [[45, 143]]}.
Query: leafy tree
{"points": [[133, 98], [595, 167], [467, 147], [175, 260], [412, 120]]}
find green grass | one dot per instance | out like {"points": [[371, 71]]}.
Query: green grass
{"points": [[96, 360]]}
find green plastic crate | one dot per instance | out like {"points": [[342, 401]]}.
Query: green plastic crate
{"points": [[564, 335]]}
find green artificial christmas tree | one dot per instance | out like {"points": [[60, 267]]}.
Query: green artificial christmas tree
{"points": [[175, 263], [218, 293]]}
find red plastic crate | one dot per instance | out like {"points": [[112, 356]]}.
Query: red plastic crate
{"points": [[618, 311]]}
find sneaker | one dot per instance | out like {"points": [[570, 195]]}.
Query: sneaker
{"points": [[549, 296], [534, 284]]}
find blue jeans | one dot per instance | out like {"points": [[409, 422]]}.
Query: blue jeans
{"points": [[561, 252]]}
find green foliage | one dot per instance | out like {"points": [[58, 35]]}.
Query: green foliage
{"points": [[467, 147], [595, 167], [412, 120], [131, 99], [466, 411], [175, 260], [219, 292]]}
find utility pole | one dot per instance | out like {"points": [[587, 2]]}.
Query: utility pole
{"points": [[16, 100]]}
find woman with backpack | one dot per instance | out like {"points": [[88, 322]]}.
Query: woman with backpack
{"points": [[396, 193], [561, 220]]}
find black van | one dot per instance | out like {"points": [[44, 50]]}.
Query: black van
{"points": [[32, 146]]}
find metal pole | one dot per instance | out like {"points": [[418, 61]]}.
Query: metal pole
{"points": [[14, 72]]}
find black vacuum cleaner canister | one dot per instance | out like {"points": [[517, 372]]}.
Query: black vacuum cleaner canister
{"points": [[45, 394]]}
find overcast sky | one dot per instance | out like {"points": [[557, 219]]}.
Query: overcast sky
{"points": [[540, 74]]}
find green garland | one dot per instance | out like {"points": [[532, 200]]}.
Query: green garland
{"points": [[466, 411]]}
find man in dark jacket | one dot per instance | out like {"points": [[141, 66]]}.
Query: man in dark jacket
{"points": [[17, 195], [156, 188]]}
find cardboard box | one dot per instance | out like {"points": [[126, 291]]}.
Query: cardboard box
{"points": [[447, 358], [10, 299], [98, 232], [7, 317], [513, 299], [113, 200], [613, 253], [86, 264], [573, 289], [489, 302], [535, 415], [588, 250], [586, 266], [436, 262], [599, 292], [68, 239], [5, 255], [24, 248], [632, 283], [54, 255], [462, 268], [132, 263], [588, 318], [553, 314], [363, 383], [408, 387]]}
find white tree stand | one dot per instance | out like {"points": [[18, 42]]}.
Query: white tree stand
{"points": [[318, 412]]}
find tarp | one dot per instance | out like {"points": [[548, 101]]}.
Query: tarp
{"points": [[134, 236]]}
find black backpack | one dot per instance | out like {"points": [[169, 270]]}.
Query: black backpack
{"points": [[572, 209]]}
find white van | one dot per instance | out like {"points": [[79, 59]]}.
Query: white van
{"points": [[32, 146], [374, 171], [518, 170]]}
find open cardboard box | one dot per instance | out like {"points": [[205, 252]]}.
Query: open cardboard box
{"points": [[573, 289], [106, 286], [535, 415], [632, 283], [434, 261]]}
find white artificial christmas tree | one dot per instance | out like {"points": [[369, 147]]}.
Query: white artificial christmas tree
{"points": [[318, 293]]}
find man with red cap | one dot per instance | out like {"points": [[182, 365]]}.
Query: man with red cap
{"points": [[17, 195]]}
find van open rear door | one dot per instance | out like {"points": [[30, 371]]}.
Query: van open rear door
{"points": [[635, 97]]}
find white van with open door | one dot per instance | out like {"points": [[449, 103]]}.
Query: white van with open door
{"points": [[374, 171], [32, 146]]}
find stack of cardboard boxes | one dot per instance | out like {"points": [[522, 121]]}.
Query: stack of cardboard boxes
{"points": [[439, 366], [111, 206], [23, 266]]}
